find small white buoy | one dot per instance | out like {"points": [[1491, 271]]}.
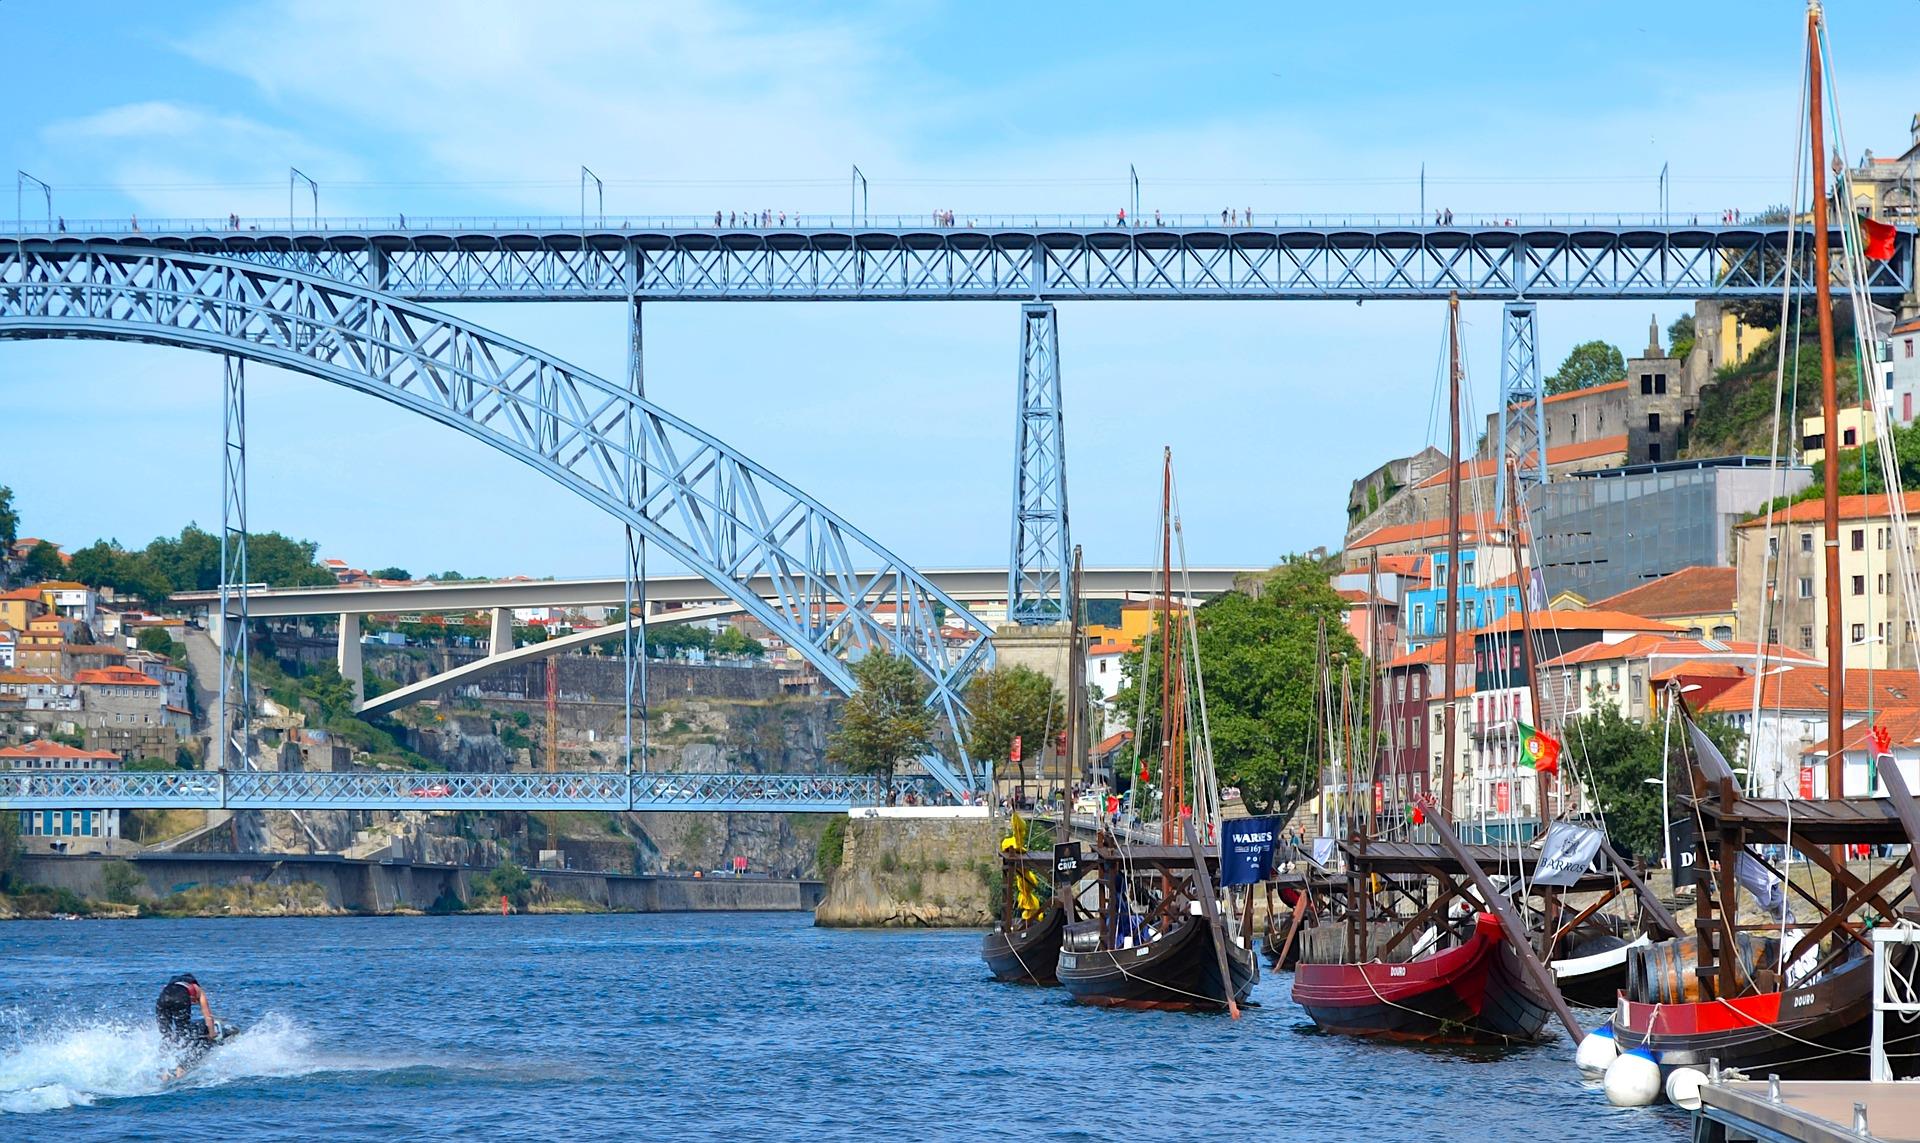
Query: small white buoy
{"points": [[1683, 1087], [1633, 1080], [1597, 1049]]}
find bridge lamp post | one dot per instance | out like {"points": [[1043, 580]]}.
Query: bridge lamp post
{"points": [[20, 181], [294, 176], [600, 191], [856, 198]]}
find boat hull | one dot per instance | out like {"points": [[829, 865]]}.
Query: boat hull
{"points": [[1028, 954], [1594, 980], [1178, 970], [1476, 993], [1817, 1032]]}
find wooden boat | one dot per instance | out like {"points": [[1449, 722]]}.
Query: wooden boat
{"points": [[1025, 953], [1592, 974], [1474, 993], [1177, 968]]}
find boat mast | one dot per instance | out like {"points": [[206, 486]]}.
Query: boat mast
{"points": [[1076, 705], [1453, 551], [1830, 409], [1530, 676], [1169, 807], [1376, 690]]}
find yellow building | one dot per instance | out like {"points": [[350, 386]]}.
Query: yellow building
{"points": [[1856, 429], [20, 607], [1737, 340], [1135, 618]]}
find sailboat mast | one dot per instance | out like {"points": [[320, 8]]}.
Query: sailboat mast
{"points": [[1830, 408], [1531, 675], [1168, 763], [1453, 553], [1376, 692]]}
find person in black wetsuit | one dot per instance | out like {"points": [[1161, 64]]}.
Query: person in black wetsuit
{"points": [[174, 1013]]}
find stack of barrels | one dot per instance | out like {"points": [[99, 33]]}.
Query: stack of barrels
{"points": [[1667, 972]]}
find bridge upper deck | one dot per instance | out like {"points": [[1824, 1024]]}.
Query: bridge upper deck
{"points": [[1014, 258]]}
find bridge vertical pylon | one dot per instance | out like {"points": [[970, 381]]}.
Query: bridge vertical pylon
{"points": [[1522, 419], [1037, 571], [635, 642], [235, 727]]}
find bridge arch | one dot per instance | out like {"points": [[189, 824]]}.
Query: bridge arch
{"points": [[722, 515]]}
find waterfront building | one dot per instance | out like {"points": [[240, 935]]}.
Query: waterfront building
{"points": [[126, 711], [71, 830], [71, 600], [1856, 429], [1898, 369], [1412, 705], [1487, 590], [1604, 533], [1902, 728], [67, 658], [1628, 674], [9, 639], [20, 607], [1792, 717], [1782, 581]]}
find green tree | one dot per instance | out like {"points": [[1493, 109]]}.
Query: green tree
{"points": [[392, 573], [104, 563], [43, 562], [150, 764], [329, 690], [156, 640], [507, 880], [1006, 702], [1257, 659], [121, 882], [1681, 336], [737, 644], [191, 561], [885, 721], [1588, 364], [9, 518], [1622, 755]]}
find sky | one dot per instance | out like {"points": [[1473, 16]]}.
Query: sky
{"points": [[898, 416]]}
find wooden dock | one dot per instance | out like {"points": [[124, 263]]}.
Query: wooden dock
{"points": [[1807, 1111]]}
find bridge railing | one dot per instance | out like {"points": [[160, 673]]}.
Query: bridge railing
{"points": [[1014, 220], [412, 790]]}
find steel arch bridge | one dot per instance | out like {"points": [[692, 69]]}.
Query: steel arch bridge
{"points": [[719, 513], [449, 260]]}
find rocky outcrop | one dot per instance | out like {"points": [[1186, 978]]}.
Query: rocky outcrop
{"points": [[914, 872]]}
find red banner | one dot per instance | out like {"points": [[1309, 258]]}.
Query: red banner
{"points": [[1379, 797], [1502, 798], [1806, 782]]}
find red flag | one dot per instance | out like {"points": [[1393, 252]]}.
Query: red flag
{"points": [[1419, 816], [1882, 740], [1879, 239], [1013, 755]]}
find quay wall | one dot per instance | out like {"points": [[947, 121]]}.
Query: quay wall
{"points": [[377, 887], [909, 871]]}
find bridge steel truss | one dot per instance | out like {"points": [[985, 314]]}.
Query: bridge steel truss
{"points": [[714, 510], [1037, 571], [412, 790], [1522, 414], [1039, 264]]}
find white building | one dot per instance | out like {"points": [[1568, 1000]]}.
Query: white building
{"points": [[73, 831], [1793, 719]]}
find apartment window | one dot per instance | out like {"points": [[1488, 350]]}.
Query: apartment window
{"points": [[1806, 638], [1880, 584], [1566, 688], [1613, 676], [1773, 545], [1909, 347], [1400, 687], [1653, 453], [1773, 634], [1659, 382], [1882, 537], [1859, 585], [1881, 630], [1849, 437], [1806, 543], [1646, 384], [1466, 573], [1723, 632], [1859, 633], [1806, 587], [1653, 422], [1859, 539]]}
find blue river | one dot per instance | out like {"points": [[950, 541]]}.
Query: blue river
{"points": [[734, 1026]]}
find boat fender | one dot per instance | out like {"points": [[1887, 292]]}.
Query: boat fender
{"points": [[1597, 1049], [1683, 1087], [1633, 1080]]}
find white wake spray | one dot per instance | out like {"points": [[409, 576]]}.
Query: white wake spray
{"points": [[76, 1064]]}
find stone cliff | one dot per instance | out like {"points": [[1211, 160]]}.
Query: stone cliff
{"points": [[910, 872]]}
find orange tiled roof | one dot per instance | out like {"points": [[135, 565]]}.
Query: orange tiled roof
{"points": [[1609, 387], [1113, 742], [1689, 591], [1851, 508], [1632, 647], [62, 585], [41, 748], [1415, 564], [118, 676], [1701, 669], [1902, 725], [1471, 524], [25, 594], [1565, 454], [1805, 688], [1586, 619], [1107, 648], [30, 679], [1435, 653]]}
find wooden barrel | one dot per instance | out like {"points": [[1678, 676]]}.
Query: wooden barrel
{"points": [[1669, 971]]}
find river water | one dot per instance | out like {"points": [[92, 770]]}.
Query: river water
{"points": [[739, 1026]]}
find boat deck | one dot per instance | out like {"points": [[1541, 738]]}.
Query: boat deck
{"points": [[1810, 1111]]}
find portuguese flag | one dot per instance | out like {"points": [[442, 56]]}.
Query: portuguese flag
{"points": [[1539, 752]]}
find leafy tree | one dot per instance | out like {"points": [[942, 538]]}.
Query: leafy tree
{"points": [[150, 764], [329, 690], [392, 573], [1621, 755], [1590, 363], [9, 518], [1257, 658], [1681, 336], [1012, 701], [121, 882], [43, 562], [507, 880], [737, 644], [104, 563], [156, 640], [886, 720], [522, 719]]}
